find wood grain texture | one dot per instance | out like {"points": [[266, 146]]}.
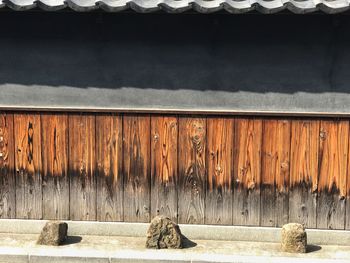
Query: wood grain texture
{"points": [[7, 164], [247, 172], [219, 195], [28, 164], [347, 208], [137, 161], [109, 148], [275, 172], [333, 157], [304, 172], [54, 140], [82, 167], [164, 134], [192, 170]]}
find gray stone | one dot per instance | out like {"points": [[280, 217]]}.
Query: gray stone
{"points": [[294, 238], [53, 233], [163, 233]]}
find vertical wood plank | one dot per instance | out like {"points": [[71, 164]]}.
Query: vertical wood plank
{"points": [[192, 169], [82, 167], [303, 172], [7, 164], [28, 165], [347, 208], [109, 167], [54, 138], [275, 172], [247, 172], [219, 195], [137, 168], [164, 166], [333, 156]]}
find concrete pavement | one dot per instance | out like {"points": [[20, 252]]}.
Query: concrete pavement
{"points": [[107, 249], [125, 242]]}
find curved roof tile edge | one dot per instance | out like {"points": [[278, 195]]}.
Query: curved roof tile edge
{"points": [[178, 6]]}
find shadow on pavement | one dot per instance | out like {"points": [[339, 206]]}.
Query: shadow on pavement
{"points": [[186, 243], [312, 248], [71, 240]]}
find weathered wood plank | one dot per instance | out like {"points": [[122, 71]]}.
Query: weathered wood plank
{"points": [[137, 160], [247, 171], [192, 166], [28, 164], [219, 195], [82, 167], [333, 156], [164, 166], [347, 208], [109, 148], [275, 172], [7, 164], [54, 139], [304, 172]]}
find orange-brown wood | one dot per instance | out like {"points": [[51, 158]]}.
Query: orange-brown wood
{"points": [[54, 144], [28, 164], [192, 169], [82, 167], [304, 172], [109, 150], [333, 156], [219, 194], [137, 160], [247, 171], [215, 170], [347, 208], [7, 163], [275, 172], [164, 166]]}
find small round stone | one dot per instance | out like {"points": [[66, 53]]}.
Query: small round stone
{"points": [[294, 239], [54, 233], [163, 233]]}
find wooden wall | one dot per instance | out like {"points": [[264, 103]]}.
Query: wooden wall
{"points": [[254, 171]]}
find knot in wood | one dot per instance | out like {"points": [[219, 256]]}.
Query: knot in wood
{"points": [[243, 170], [82, 168], [251, 185], [218, 170], [323, 135], [284, 165], [197, 143]]}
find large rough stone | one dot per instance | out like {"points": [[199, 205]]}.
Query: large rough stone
{"points": [[294, 239], [53, 233], [163, 233]]}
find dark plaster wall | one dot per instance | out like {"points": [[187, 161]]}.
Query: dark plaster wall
{"points": [[251, 62]]}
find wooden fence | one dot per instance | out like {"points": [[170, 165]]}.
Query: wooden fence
{"points": [[254, 171]]}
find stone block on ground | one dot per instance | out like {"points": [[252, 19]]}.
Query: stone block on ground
{"points": [[294, 239], [53, 233], [163, 233]]}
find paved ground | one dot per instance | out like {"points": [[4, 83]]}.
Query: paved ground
{"points": [[22, 248]]}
